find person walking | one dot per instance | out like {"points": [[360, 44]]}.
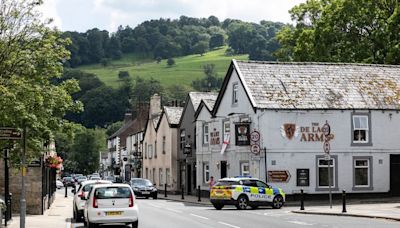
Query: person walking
{"points": [[211, 182]]}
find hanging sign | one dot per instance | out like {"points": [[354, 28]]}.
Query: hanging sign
{"points": [[242, 133]]}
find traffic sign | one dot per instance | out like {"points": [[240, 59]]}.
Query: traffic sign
{"points": [[327, 147], [278, 176], [10, 133], [326, 129], [255, 149], [255, 136]]}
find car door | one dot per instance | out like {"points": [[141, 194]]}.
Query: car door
{"points": [[265, 191]]}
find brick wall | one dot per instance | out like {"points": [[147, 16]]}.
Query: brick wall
{"points": [[33, 188]]}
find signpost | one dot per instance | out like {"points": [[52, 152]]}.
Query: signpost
{"points": [[278, 176], [326, 129]]}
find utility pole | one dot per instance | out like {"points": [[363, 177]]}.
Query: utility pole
{"points": [[23, 174]]}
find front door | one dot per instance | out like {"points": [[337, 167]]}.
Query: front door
{"points": [[223, 169], [394, 175], [189, 179]]}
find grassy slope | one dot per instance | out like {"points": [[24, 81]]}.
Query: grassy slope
{"points": [[187, 68]]}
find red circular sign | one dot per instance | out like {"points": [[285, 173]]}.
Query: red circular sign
{"points": [[255, 136], [255, 149]]}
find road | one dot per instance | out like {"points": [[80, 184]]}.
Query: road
{"points": [[162, 213]]}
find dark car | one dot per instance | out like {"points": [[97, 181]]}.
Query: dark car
{"points": [[68, 181], [143, 187]]}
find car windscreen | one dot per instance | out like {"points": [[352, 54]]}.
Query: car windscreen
{"points": [[226, 183], [141, 182], [112, 192]]}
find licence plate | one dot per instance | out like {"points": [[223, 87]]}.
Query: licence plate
{"points": [[145, 193], [113, 213]]}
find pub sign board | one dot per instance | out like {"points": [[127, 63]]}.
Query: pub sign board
{"points": [[10, 133], [303, 177], [242, 134]]}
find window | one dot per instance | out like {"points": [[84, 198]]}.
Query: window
{"points": [[160, 177], [261, 184], [150, 151], [183, 139], [235, 93], [362, 173], [361, 129], [147, 173], [205, 134], [163, 144], [227, 127], [194, 138], [167, 176], [145, 151], [245, 169], [206, 169], [322, 172], [155, 149]]}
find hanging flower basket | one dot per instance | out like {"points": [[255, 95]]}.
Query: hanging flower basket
{"points": [[54, 162]]}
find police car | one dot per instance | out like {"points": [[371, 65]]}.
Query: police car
{"points": [[244, 192]]}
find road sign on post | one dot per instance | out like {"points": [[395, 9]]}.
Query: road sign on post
{"points": [[10, 133], [326, 130]]}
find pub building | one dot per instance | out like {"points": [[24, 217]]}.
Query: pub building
{"points": [[285, 123]]}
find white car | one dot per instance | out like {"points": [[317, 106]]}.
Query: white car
{"points": [[111, 204], [80, 196], [59, 184]]}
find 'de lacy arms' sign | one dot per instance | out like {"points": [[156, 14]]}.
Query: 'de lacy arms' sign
{"points": [[312, 133]]}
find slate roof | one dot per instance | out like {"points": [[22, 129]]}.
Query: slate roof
{"points": [[173, 114], [275, 85], [196, 98]]}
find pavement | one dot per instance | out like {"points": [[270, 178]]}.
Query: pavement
{"points": [[59, 215], [384, 208]]}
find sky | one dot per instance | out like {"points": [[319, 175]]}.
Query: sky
{"points": [[81, 15]]}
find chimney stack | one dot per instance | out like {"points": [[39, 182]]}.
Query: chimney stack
{"points": [[155, 105]]}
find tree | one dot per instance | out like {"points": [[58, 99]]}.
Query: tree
{"points": [[86, 149], [210, 81], [31, 57], [343, 31], [144, 89], [112, 128], [170, 62], [200, 48], [123, 74]]}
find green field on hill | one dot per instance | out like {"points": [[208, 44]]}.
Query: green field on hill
{"points": [[185, 70]]}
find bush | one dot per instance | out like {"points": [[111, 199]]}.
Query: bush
{"points": [[170, 62]]}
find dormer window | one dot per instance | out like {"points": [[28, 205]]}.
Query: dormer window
{"points": [[235, 97]]}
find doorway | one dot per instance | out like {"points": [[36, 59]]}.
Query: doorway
{"points": [[394, 175], [223, 169]]}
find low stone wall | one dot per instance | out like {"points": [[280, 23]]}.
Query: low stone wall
{"points": [[33, 188]]}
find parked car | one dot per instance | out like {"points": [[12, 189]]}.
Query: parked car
{"points": [[143, 187], [111, 204], [110, 178], [68, 181], [244, 192], [59, 184], [81, 195], [95, 178], [81, 179]]}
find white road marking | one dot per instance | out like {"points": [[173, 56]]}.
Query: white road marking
{"points": [[198, 216], [301, 223], [252, 212], [227, 224]]}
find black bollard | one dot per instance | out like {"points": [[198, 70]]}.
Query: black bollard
{"points": [[66, 191], [198, 193], [302, 200], [165, 190], [183, 197], [344, 201]]}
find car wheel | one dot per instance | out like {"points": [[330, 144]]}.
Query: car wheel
{"points": [[135, 224], [155, 196], [85, 223], [218, 206], [242, 202], [93, 225], [79, 216], [277, 202]]}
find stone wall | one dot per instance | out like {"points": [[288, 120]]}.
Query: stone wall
{"points": [[33, 188]]}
